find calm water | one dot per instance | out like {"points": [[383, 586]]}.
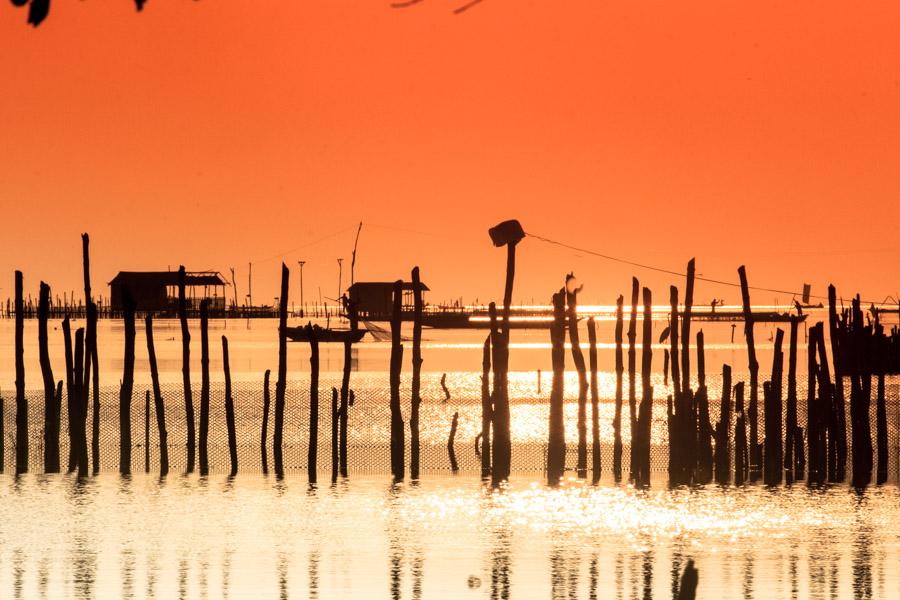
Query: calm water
{"points": [[447, 537]]}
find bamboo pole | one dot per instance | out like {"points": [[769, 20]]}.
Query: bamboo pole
{"points": [[556, 443], [203, 432], [186, 369], [753, 365], [311, 456], [486, 409], [595, 399], [281, 383], [51, 417], [229, 410], [159, 406], [416, 398], [632, 376], [265, 423], [126, 388], [578, 359], [21, 401], [397, 443], [454, 467]]}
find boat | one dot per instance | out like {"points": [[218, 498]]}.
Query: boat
{"points": [[324, 334], [738, 315]]}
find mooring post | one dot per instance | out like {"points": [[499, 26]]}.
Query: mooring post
{"points": [[159, 406], [186, 368], [838, 411], [335, 416], [95, 368], [82, 364], [126, 388], [812, 410], [620, 370], [281, 383], [790, 419], [686, 329], [741, 458], [203, 441], [723, 428]]}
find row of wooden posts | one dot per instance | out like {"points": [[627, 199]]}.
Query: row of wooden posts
{"points": [[698, 451]]}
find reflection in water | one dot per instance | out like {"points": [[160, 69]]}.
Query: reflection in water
{"points": [[445, 538]]}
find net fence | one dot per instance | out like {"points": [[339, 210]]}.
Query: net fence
{"points": [[369, 424]]}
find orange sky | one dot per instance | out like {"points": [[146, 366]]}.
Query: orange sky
{"points": [[216, 133]]}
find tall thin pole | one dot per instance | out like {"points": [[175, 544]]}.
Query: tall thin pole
{"points": [[340, 276], [301, 263]]}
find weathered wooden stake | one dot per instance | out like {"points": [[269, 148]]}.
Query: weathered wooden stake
{"points": [[229, 410], [186, 369], [617, 418], [686, 329], [556, 443], [813, 431], [632, 376], [486, 409], [416, 398], [281, 383], [126, 388], [159, 406], [790, 419], [312, 452], [723, 429], [578, 359], [595, 398], [82, 364], [91, 340], [263, 438], [774, 455], [753, 366], [21, 401], [51, 417], [837, 413], [147, 432], [71, 395], [741, 458], [397, 442], [454, 467], [642, 476], [203, 446], [335, 416]]}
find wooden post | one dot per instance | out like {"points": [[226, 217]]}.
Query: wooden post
{"points": [[578, 359], [312, 453], [2, 435], [741, 458], [486, 409], [686, 329], [838, 410], [881, 430], [632, 376], [92, 366], [71, 395], [676, 413], [556, 443], [827, 451], [281, 383], [397, 442], [51, 416], [21, 401], [704, 436], [701, 360], [159, 406], [723, 428], [229, 410], [345, 408], [860, 398], [774, 455], [415, 399], [186, 369], [454, 467], [203, 446], [335, 416], [127, 386], [645, 418], [790, 419], [595, 397], [147, 432], [812, 412], [617, 418], [265, 424], [755, 450], [82, 365]]}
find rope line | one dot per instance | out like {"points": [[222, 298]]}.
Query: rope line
{"points": [[671, 272]]}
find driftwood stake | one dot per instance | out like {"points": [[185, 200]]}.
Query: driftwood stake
{"points": [[416, 398], [397, 443], [578, 359], [265, 424], [51, 417], [454, 467], [753, 366], [632, 376], [486, 409], [617, 419], [312, 452], [556, 443], [595, 395], [203, 446], [21, 401], [71, 395]]}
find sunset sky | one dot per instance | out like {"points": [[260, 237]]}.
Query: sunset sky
{"points": [[214, 134]]}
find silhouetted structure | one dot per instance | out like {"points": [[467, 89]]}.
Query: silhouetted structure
{"points": [[157, 291], [374, 300]]}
